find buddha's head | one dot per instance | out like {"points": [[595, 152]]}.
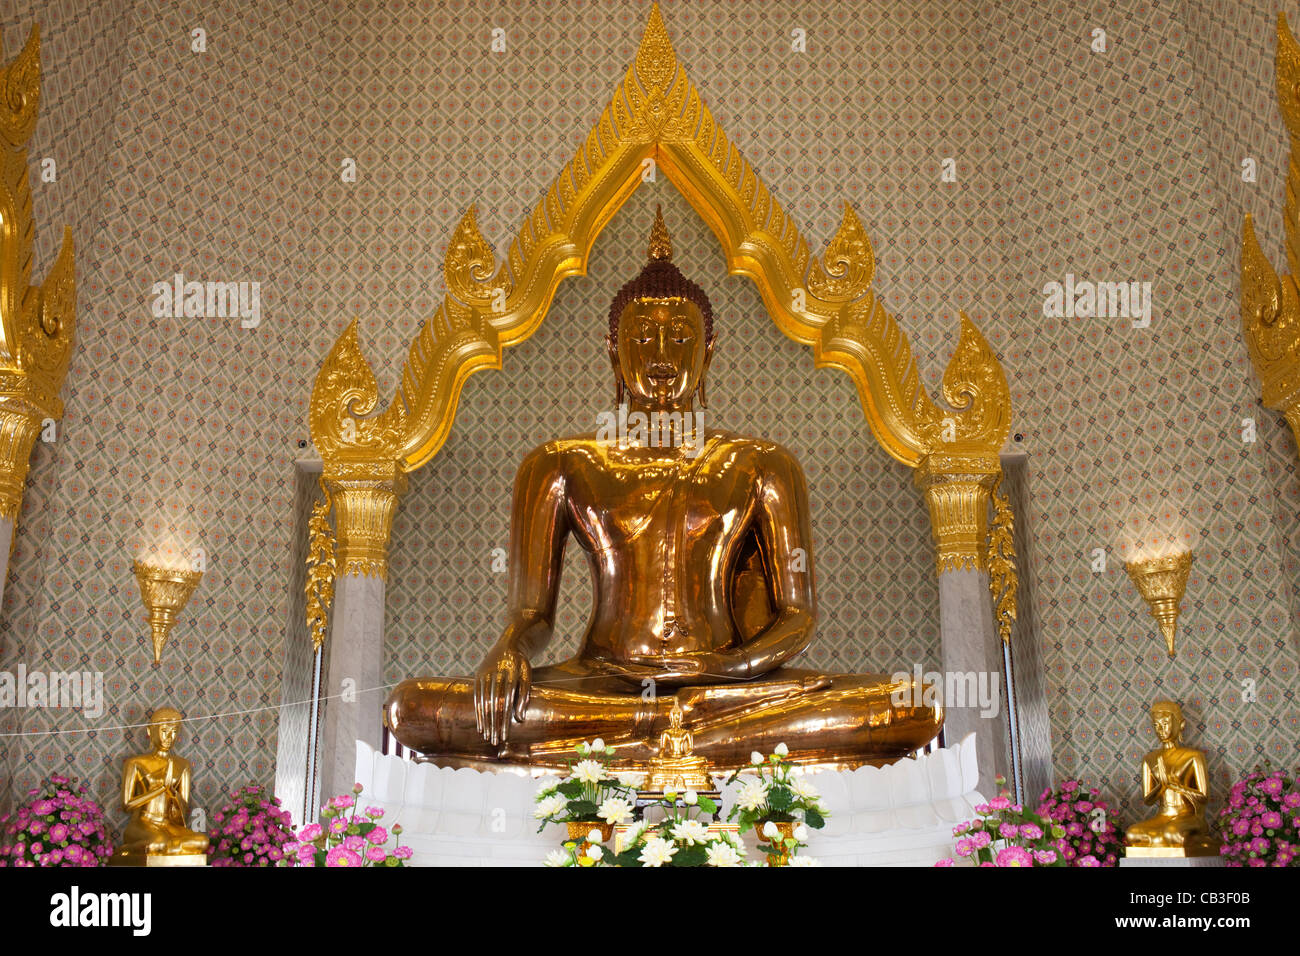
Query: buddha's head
{"points": [[164, 726], [660, 331], [1167, 720]]}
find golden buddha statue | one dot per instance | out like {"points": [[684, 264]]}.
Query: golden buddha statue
{"points": [[677, 766], [1173, 776], [700, 548], [156, 793]]}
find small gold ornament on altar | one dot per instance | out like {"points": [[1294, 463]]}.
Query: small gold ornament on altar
{"points": [[676, 767], [1173, 777], [165, 592], [1161, 581], [156, 793]]}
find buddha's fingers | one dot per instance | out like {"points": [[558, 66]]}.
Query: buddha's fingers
{"points": [[504, 700]]}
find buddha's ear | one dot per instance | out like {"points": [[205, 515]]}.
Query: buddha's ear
{"points": [[619, 386], [704, 371]]}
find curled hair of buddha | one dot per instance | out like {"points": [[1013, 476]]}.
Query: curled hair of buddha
{"points": [[660, 279]]}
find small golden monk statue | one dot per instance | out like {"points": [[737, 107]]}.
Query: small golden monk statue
{"points": [[677, 766], [156, 793], [1174, 777], [700, 547]]}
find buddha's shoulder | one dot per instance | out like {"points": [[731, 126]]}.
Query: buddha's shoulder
{"points": [[763, 450]]}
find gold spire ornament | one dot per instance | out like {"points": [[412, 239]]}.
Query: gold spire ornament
{"points": [[661, 244], [165, 592], [1161, 581]]}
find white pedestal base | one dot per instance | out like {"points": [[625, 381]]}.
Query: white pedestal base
{"points": [[900, 815], [1175, 862]]}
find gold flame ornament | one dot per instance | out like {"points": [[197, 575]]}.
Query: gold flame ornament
{"points": [[165, 592], [1161, 581]]}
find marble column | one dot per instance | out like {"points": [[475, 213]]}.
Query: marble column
{"points": [[354, 674], [20, 424], [6, 546], [956, 489]]}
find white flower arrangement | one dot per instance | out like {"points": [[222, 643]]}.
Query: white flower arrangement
{"points": [[681, 838], [777, 795], [589, 794]]}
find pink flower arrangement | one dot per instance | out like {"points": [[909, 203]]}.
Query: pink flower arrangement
{"points": [[250, 829], [59, 825], [347, 837], [1260, 823], [1091, 837], [1005, 835]]}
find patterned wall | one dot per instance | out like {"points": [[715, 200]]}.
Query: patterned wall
{"points": [[1235, 72], [1135, 433], [178, 432], [225, 166], [82, 46]]}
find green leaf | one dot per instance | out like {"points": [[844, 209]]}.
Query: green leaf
{"points": [[780, 798], [708, 806], [814, 819], [570, 788], [690, 856], [629, 857], [581, 809]]}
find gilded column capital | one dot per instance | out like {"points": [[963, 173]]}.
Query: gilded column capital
{"points": [[365, 497], [957, 486]]}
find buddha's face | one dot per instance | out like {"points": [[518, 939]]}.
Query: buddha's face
{"points": [[661, 352], [1167, 723], [163, 735]]}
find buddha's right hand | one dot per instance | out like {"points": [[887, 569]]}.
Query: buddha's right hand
{"points": [[501, 688]]}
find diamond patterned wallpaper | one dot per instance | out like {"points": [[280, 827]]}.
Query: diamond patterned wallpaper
{"points": [[1135, 433], [225, 165]]}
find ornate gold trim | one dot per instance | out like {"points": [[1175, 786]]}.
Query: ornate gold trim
{"points": [[320, 568], [37, 323], [827, 302], [1003, 579], [1270, 307]]}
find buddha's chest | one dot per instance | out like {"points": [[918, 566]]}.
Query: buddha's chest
{"points": [[655, 504]]}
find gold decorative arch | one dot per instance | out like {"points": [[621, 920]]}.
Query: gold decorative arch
{"points": [[1270, 306], [825, 302], [37, 322]]}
